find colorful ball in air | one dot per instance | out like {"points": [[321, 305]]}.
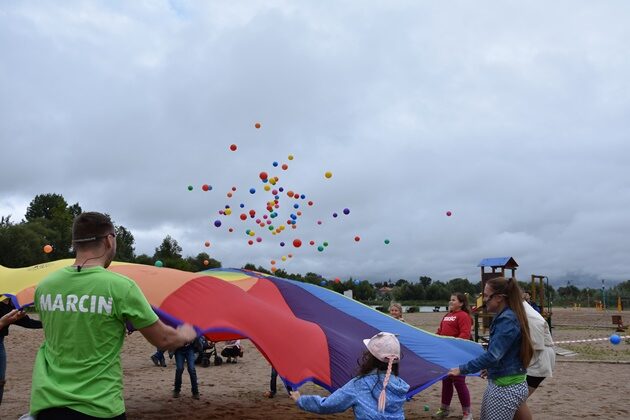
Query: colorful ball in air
{"points": [[217, 223], [290, 157], [233, 147], [263, 175], [48, 249], [386, 241], [285, 166], [325, 244], [206, 262], [275, 164], [328, 174], [207, 244], [449, 214], [357, 238], [257, 125], [159, 263], [322, 283], [357, 282], [281, 243], [297, 243], [190, 188], [337, 280], [426, 408], [615, 339], [252, 190], [335, 215], [320, 248], [346, 211], [206, 187]]}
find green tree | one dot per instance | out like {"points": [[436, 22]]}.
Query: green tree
{"points": [[125, 250], [198, 263], [425, 281], [462, 285], [144, 259], [438, 291]]}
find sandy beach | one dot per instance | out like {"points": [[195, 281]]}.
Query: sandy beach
{"points": [[591, 384]]}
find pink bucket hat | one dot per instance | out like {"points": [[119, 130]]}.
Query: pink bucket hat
{"points": [[386, 348]]}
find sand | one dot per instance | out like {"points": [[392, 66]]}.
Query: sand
{"points": [[580, 386]]}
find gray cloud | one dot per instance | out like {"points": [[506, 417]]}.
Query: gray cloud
{"points": [[512, 117]]}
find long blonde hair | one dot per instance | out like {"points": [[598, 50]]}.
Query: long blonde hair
{"points": [[514, 299]]}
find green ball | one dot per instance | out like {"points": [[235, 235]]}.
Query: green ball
{"points": [[159, 263], [386, 241], [426, 408], [190, 188]]}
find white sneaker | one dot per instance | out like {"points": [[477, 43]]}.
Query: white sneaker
{"points": [[467, 416]]}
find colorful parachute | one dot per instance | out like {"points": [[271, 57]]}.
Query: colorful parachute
{"points": [[308, 333]]}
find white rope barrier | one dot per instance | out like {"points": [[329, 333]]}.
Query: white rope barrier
{"points": [[588, 340]]}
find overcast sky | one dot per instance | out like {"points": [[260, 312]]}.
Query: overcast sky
{"points": [[514, 116]]}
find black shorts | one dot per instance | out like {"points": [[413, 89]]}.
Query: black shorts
{"points": [[534, 381]]}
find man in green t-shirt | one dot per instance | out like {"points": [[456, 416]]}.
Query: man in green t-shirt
{"points": [[84, 309]]}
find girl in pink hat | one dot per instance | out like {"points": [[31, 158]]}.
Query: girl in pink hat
{"points": [[377, 392]]}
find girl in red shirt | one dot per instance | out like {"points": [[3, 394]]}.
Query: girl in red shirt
{"points": [[456, 323]]}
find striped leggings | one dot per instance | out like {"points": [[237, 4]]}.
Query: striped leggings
{"points": [[501, 402]]}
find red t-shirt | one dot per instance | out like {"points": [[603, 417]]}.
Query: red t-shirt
{"points": [[456, 324]]}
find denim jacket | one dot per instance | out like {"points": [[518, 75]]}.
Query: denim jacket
{"points": [[504, 350]]}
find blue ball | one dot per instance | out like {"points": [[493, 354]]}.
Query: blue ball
{"points": [[615, 339], [217, 223], [275, 164], [252, 190]]}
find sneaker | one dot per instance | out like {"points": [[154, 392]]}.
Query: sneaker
{"points": [[156, 362], [442, 413], [163, 363], [175, 394], [196, 395], [467, 416]]}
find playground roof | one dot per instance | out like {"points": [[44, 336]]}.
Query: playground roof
{"points": [[505, 262]]}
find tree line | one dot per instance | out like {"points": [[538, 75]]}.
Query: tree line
{"points": [[48, 221]]}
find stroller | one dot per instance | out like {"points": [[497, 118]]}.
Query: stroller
{"points": [[206, 350]]}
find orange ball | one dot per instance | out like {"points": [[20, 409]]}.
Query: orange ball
{"points": [[257, 125], [48, 249], [206, 262]]}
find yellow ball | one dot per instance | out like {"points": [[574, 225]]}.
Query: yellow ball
{"points": [[267, 187], [227, 212], [290, 157], [328, 174]]}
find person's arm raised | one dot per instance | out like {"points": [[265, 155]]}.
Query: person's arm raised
{"points": [[168, 338]]}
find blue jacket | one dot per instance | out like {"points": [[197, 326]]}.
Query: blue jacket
{"points": [[504, 350], [361, 393]]}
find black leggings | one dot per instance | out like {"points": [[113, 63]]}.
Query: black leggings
{"points": [[64, 413]]}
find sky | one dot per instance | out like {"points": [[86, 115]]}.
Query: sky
{"points": [[512, 116]]}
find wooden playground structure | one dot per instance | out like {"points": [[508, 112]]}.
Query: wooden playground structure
{"points": [[498, 268]]}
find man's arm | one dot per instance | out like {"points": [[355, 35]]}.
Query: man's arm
{"points": [[168, 338]]}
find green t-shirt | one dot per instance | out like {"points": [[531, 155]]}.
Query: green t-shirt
{"points": [[83, 315]]}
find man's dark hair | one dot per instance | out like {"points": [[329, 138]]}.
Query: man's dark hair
{"points": [[90, 226]]}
